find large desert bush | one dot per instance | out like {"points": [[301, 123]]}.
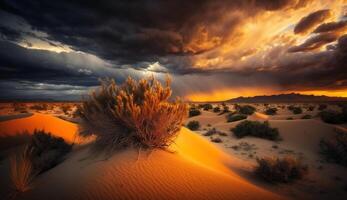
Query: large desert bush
{"points": [[282, 170], [335, 148], [256, 129], [136, 113], [47, 151]]}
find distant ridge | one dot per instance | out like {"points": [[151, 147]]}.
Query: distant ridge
{"points": [[292, 97]]}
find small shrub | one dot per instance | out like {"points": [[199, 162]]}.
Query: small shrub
{"points": [[42, 106], [47, 151], [333, 117], [256, 129], [193, 125], [210, 132], [136, 113], [225, 109], [306, 117], [291, 107], [246, 110], [322, 107], [206, 106], [310, 108], [216, 140], [216, 109], [232, 117], [194, 112], [335, 148], [65, 108], [297, 110], [271, 111], [19, 107], [276, 170]]}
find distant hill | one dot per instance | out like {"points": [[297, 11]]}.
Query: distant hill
{"points": [[293, 97]]}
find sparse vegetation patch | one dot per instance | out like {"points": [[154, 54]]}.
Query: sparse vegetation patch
{"points": [[193, 125], [256, 129], [194, 112], [280, 170], [232, 117]]}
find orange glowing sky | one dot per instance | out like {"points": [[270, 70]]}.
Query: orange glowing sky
{"points": [[222, 95]]}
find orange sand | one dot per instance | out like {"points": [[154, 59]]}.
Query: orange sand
{"points": [[197, 170], [56, 126]]}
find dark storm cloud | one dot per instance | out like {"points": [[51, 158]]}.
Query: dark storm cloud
{"points": [[120, 38], [19, 63], [331, 26], [323, 70], [315, 42], [311, 20], [133, 31]]}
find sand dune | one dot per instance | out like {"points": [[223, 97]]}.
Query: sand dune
{"points": [[196, 170], [49, 123]]}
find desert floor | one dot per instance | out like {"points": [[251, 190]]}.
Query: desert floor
{"points": [[193, 168]]}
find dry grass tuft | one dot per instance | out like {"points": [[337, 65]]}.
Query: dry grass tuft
{"points": [[22, 171], [135, 113]]}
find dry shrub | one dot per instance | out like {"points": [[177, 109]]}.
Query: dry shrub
{"points": [[233, 116], [282, 170], [193, 125], [42, 106], [271, 111], [194, 112], [256, 129], [22, 171], [47, 150], [135, 113], [335, 148]]}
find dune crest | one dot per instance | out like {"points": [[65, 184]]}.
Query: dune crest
{"points": [[54, 125]]}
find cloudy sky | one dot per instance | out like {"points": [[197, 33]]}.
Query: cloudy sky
{"points": [[213, 49]]}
